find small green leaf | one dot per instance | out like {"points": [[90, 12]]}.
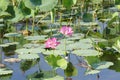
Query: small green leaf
{"points": [[52, 60], [67, 3], [62, 63]]}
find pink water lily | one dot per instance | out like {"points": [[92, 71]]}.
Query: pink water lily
{"points": [[51, 43], [66, 30]]}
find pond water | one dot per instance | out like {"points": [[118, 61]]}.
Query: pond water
{"points": [[19, 74]]}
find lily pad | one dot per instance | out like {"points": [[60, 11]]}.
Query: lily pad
{"points": [[12, 35], [55, 78], [30, 45], [91, 40], [92, 72], [30, 50], [102, 65], [28, 56], [4, 71], [87, 52], [8, 44], [42, 37], [88, 24], [79, 45]]}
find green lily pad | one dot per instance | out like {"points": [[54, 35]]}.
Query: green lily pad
{"points": [[91, 40], [12, 35], [4, 71], [55, 78], [92, 72], [87, 52], [88, 23], [28, 56], [102, 65], [42, 37], [30, 45], [79, 45], [8, 44], [30, 50], [22, 51]]}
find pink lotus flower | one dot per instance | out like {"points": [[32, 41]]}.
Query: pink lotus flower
{"points": [[66, 30], [51, 43]]}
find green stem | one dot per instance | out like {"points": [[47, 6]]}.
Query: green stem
{"points": [[60, 19], [65, 45], [33, 24]]}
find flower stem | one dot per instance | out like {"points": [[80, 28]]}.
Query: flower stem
{"points": [[65, 45]]}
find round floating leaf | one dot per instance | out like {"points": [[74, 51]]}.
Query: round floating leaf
{"points": [[88, 24], [102, 65], [12, 43], [28, 56], [79, 45], [12, 60], [35, 37], [91, 40], [22, 51], [30, 50], [4, 71], [8, 44], [75, 37], [87, 52], [12, 35], [92, 72], [55, 78], [30, 45]]}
